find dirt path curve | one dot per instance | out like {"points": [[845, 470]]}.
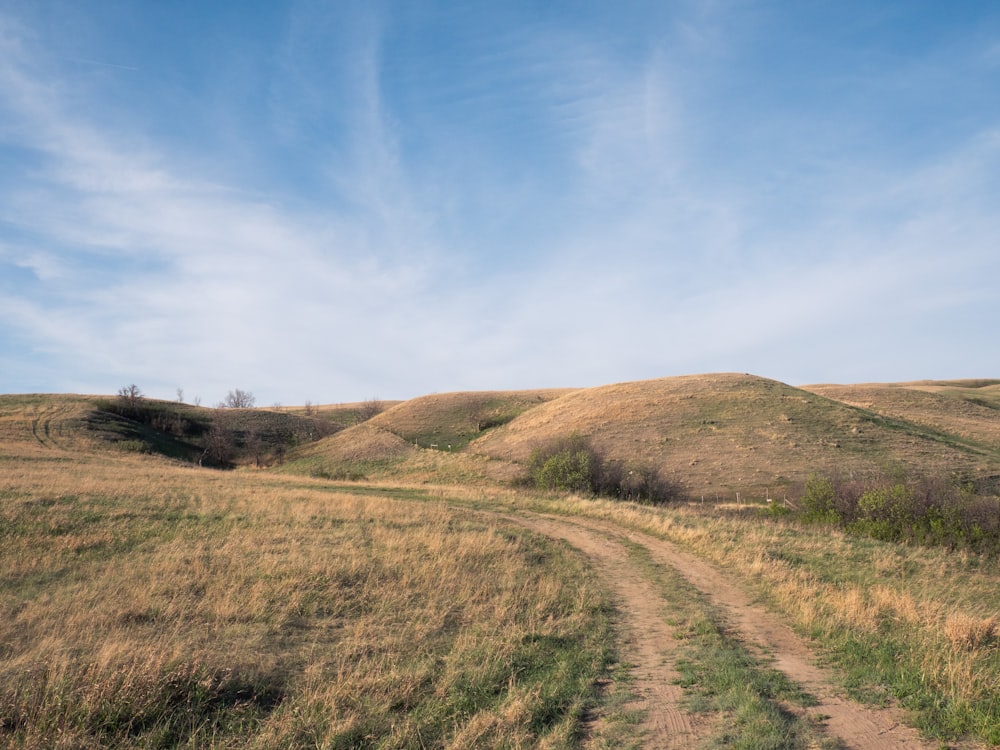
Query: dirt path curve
{"points": [[650, 642], [855, 725]]}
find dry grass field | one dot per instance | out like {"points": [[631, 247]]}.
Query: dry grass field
{"points": [[148, 603], [373, 591]]}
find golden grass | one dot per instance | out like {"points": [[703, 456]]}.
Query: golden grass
{"points": [[925, 618], [148, 603], [722, 434], [970, 633], [967, 412]]}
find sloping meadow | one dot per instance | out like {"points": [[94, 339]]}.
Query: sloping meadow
{"points": [[156, 605]]}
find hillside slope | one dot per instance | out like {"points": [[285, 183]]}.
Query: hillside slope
{"points": [[970, 410], [424, 439], [449, 421], [218, 437], [44, 422], [720, 434]]}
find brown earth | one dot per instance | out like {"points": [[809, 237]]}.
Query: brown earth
{"points": [[717, 435], [651, 645]]}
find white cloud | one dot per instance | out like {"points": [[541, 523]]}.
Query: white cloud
{"points": [[643, 258]]}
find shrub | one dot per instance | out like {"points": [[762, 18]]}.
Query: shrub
{"points": [[920, 510], [642, 484], [819, 501], [573, 464], [569, 465]]}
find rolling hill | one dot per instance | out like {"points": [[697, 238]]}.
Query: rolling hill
{"points": [[713, 435]]}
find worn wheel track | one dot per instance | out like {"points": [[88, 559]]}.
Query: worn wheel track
{"points": [[668, 726], [650, 643]]}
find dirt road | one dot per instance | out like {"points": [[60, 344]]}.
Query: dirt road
{"points": [[653, 650]]}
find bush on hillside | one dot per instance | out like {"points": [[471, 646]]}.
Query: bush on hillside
{"points": [[573, 464], [819, 501], [568, 465], [919, 510]]}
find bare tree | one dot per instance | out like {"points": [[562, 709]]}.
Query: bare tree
{"points": [[220, 442], [239, 399], [130, 395], [180, 395], [370, 408], [254, 445]]}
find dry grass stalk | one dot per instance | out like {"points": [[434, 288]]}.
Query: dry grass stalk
{"points": [[969, 633]]}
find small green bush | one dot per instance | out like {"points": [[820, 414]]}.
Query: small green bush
{"points": [[819, 501], [573, 464], [568, 466], [921, 510]]}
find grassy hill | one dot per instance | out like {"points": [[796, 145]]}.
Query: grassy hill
{"points": [[713, 435], [214, 437], [451, 421], [728, 433], [968, 410], [423, 439]]}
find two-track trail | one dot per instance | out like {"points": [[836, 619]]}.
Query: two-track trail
{"points": [[651, 640], [652, 646]]}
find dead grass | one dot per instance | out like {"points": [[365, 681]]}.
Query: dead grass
{"points": [[146, 603], [968, 411], [719, 435], [970, 633], [913, 625]]}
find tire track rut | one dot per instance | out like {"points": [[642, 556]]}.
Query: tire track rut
{"points": [[650, 642], [651, 649]]}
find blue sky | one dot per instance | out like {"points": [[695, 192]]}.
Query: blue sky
{"points": [[332, 201]]}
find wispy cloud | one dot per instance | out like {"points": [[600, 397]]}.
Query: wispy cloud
{"points": [[194, 271], [569, 215]]}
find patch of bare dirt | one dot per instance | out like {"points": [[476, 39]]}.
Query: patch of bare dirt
{"points": [[650, 644], [651, 650]]}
